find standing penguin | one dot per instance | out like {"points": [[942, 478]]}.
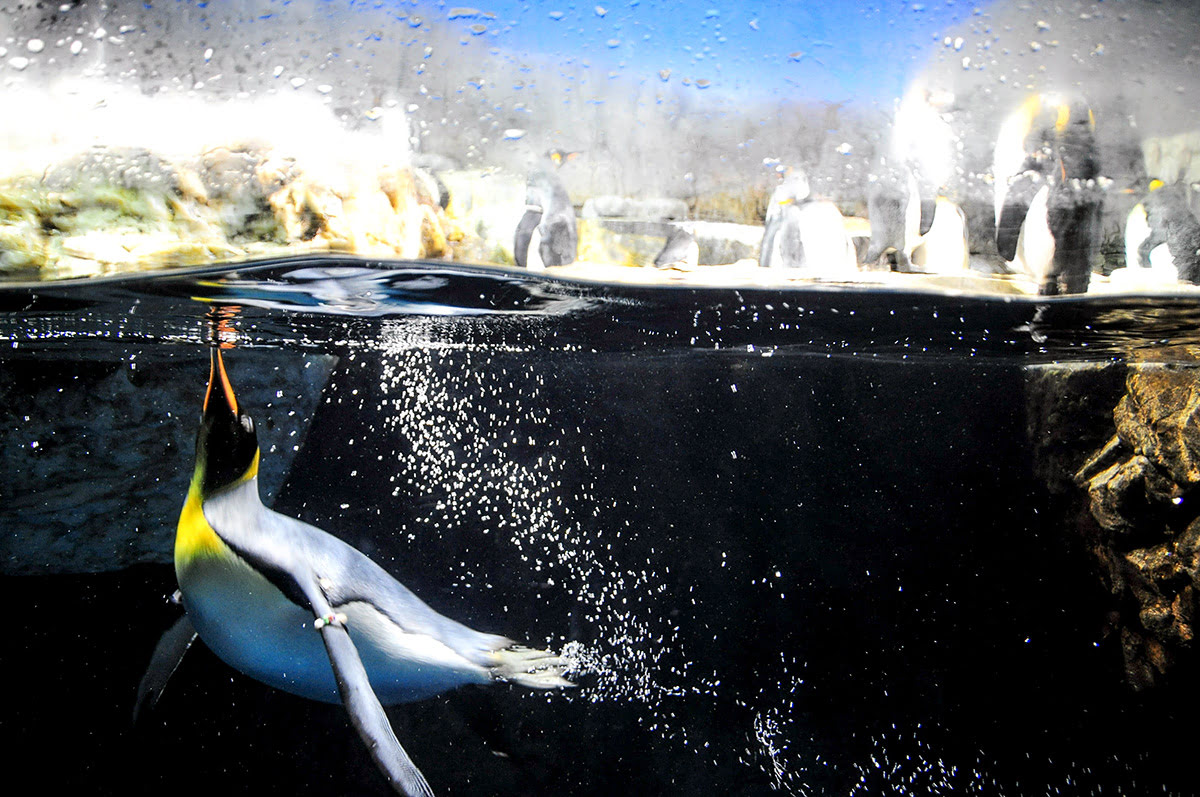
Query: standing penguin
{"points": [[898, 217], [546, 234], [1048, 196], [300, 610], [805, 233], [1162, 234]]}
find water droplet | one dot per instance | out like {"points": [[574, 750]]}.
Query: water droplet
{"points": [[76, 47], [208, 54], [297, 82], [556, 15], [601, 11], [35, 45], [18, 62]]}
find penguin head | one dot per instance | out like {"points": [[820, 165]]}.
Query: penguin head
{"points": [[226, 445], [558, 156]]}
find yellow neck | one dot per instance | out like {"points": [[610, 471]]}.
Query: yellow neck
{"points": [[194, 537]]}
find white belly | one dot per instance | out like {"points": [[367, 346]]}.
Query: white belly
{"points": [[254, 628]]}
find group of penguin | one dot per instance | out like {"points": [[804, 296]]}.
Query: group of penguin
{"points": [[1048, 199]]}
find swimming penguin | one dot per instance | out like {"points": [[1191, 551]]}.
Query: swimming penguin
{"points": [[1161, 233], [898, 217], [300, 610], [1048, 196], [679, 251], [801, 232], [546, 234]]}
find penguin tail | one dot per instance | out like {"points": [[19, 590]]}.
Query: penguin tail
{"points": [[536, 669]]}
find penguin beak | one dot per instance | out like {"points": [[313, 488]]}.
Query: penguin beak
{"points": [[219, 396]]}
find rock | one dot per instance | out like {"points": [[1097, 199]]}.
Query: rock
{"points": [[131, 432], [1159, 417], [1147, 534], [646, 209]]}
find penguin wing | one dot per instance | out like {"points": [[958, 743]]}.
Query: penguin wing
{"points": [[766, 248], [287, 552], [1012, 215], [928, 208], [168, 653], [524, 234], [365, 710]]}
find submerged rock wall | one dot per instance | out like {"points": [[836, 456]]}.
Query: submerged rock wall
{"points": [[1141, 493]]}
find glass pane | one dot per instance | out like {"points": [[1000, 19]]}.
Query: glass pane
{"points": [[150, 134]]}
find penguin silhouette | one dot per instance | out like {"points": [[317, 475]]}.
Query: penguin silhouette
{"points": [[546, 234]]}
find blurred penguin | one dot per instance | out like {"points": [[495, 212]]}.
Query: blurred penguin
{"points": [[546, 234], [1162, 234], [681, 251], [1048, 194], [805, 233], [904, 203], [946, 247], [894, 209]]}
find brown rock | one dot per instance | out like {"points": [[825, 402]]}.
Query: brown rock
{"points": [[1159, 417]]}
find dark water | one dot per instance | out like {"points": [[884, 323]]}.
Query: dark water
{"points": [[808, 541]]}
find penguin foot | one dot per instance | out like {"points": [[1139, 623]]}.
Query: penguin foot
{"points": [[536, 669]]}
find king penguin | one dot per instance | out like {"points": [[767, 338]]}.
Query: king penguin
{"points": [[801, 232], [1048, 196], [898, 216], [1162, 235], [546, 234], [300, 610]]}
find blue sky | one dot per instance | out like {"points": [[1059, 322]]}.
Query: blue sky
{"points": [[826, 51]]}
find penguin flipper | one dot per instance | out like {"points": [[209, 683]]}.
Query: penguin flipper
{"points": [[765, 252], [524, 235], [928, 209], [363, 706], [1012, 216], [168, 653]]}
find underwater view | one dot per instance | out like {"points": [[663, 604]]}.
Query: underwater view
{"points": [[813, 542], [653, 398]]}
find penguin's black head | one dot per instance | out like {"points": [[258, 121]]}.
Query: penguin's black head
{"points": [[226, 445]]}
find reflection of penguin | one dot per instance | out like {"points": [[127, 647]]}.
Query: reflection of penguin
{"points": [[1048, 197], [546, 234], [898, 217], [1161, 233], [680, 250], [302, 611], [805, 233]]}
